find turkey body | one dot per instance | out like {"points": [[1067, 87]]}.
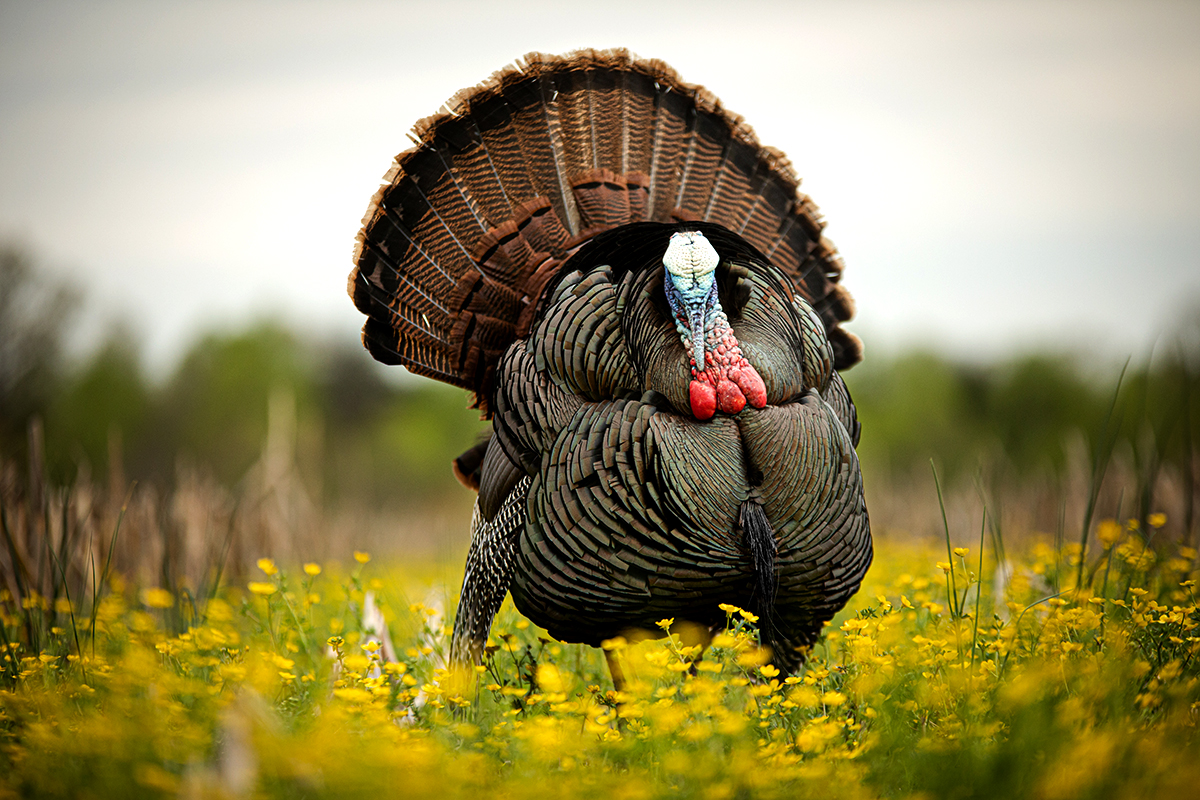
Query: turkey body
{"points": [[634, 507], [608, 497]]}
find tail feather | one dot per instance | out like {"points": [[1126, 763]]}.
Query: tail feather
{"points": [[494, 121], [670, 151], [607, 115], [516, 173], [481, 177], [710, 137], [606, 200], [552, 116], [522, 98], [772, 201], [576, 120], [639, 106], [732, 198], [429, 199]]}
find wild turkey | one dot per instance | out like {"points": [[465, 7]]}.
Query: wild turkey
{"points": [[644, 306]]}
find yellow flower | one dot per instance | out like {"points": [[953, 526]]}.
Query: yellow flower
{"points": [[265, 589], [961, 552], [1108, 532], [943, 566], [804, 696], [666, 624], [157, 598], [267, 566], [746, 615], [361, 557], [356, 663], [1157, 519], [549, 679], [753, 658], [768, 671], [833, 698], [312, 569], [729, 609]]}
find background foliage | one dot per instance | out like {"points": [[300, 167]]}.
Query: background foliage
{"points": [[151, 645], [365, 434]]}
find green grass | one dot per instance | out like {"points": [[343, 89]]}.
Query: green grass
{"points": [[279, 688]]}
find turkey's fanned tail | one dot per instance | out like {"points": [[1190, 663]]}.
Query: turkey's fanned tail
{"points": [[515, 174]]}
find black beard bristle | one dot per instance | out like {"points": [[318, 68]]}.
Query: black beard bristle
{"points": [[760, 541]]}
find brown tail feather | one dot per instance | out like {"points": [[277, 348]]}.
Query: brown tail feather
{"points": [[517, 172]]}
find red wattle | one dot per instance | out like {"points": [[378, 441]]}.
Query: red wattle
{"points": [[751, 384], [729, 397], [703, 399]]}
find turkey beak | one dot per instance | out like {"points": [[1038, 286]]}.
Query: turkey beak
{"points": [[696, 320], [691, 264]]}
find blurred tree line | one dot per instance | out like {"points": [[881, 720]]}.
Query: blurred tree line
{"points": [[1024, 416], [1037, 424], [358, 438], [919, 406], [362, 439]]}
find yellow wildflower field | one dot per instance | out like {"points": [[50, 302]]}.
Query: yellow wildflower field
{"points": [[1056, 676]]}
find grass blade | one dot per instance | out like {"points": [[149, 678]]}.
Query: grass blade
{"points": [[956, 612], [1099, 468], [112, 546]]}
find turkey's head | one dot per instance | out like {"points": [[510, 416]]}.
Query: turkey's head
{"points": [[722, 378]]}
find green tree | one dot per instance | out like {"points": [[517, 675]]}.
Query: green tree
{"points": [[35, 311], [103, 405], [214, 409]]}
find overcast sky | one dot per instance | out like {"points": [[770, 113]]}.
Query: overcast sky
{"points": [[997, 175]]}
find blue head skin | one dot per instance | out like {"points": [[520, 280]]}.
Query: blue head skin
{"points": [[691, 265]]}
